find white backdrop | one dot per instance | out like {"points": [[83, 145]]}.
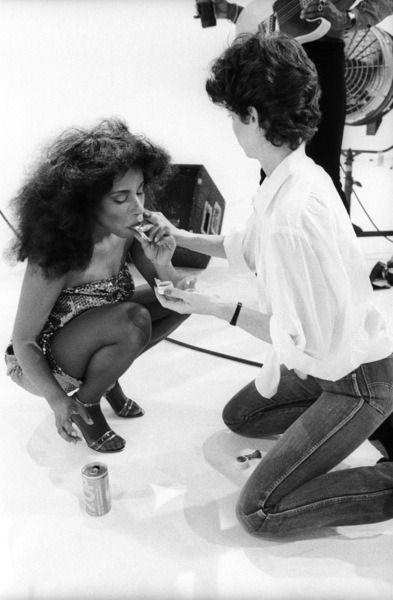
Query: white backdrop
{"points": [[71, 62]]}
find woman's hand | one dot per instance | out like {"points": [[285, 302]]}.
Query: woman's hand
{"points": [[64, 408], [157, 219], [157, 243], [187, 283], [186, 301]]}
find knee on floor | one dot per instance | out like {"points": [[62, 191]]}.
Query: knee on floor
{"points": [[262, 523]]}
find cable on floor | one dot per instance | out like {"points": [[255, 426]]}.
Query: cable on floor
{"points": [[244, 361]]}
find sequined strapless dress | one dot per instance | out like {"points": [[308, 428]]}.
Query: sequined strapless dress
{"points": [[72, 302]]}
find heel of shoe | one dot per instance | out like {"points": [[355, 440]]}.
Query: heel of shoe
{"points": [[128, 408], [98, 436]]}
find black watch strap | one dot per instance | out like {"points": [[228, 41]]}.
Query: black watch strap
{"points": [[233, 321]]}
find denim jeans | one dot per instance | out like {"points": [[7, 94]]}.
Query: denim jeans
{"points": [[321, 422]]}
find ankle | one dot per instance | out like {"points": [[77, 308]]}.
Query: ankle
{"points": [[85, 402]]}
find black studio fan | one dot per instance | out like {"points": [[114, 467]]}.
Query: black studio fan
{"points": [[369, 77]]}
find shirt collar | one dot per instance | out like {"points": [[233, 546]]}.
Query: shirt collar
{"points": [[270, 185]]}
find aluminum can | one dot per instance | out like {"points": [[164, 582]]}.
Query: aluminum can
{"points": [[96, 489]]}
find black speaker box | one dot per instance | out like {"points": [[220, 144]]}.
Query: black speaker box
{"points": [[191, 201]]}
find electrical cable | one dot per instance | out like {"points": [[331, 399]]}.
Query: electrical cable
{"points": [[8, 223], [369, 217], [357, 197], [244, 361]]}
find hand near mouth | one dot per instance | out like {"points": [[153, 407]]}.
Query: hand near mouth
{"points": [[157, 242]]}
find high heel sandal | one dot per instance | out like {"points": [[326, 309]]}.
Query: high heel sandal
{"points": [[98, 436], [123, 406]]}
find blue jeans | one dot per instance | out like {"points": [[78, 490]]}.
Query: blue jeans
{"points": [[322, 422]]}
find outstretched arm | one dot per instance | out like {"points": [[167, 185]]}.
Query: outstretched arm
{"points": [[212, 245], [38, 295], [195, 302]]}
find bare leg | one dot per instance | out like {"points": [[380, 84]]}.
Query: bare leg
{"points": [[163, 323], [99, 346]]}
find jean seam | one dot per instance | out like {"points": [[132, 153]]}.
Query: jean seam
{"points": [[274, 408], [371, 400], [356, 388], [241, 421], [375, 383], [325, 501], [370, 390], [274, 486]]}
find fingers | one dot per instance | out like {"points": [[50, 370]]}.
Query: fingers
{"points": [[153, 233], [67, 432], [160, 297], [141, 232], [142, 238], [313, 9], [170, 303], [158, 234], [152, 217], [188, 283], [175, 293], [157, 218]]}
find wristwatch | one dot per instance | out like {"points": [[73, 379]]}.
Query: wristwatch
{"points": [[351, 20]]}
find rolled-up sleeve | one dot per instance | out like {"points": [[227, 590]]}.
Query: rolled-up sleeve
{"points": [[233, 245], [239, 246]]}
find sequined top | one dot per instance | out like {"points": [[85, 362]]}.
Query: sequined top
{"points": [[73, 301]]}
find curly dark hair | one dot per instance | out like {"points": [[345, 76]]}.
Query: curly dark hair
{"points": [[56, 207], [275, 76]]}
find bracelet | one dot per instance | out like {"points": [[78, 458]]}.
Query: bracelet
{"points": [[233, 321]]}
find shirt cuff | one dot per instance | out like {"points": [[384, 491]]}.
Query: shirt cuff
{"points": [[291, 345]]}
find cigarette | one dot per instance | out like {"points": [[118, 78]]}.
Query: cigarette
{"points": [[139, 230]]}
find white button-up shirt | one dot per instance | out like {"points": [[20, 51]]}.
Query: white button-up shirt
{"points": [[311, 277]]}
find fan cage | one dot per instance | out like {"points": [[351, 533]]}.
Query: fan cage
{"points": [[368, 75]]}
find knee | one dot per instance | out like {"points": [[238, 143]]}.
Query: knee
{"points": [[137, 322], [260, 521], [251, 519], [237, 411], [235, 415], [231, 417], [245, 412]]}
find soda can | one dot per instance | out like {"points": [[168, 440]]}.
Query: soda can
{"points": [[96, 489]]}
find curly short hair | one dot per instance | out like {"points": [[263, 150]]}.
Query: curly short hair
{"points": [[274, 75], [56, 207]]}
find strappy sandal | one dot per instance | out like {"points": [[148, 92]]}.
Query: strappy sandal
{"points": [[98, 436], [123, 406]]}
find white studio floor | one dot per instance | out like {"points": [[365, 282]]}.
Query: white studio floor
{"points": [[172, 532]]}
